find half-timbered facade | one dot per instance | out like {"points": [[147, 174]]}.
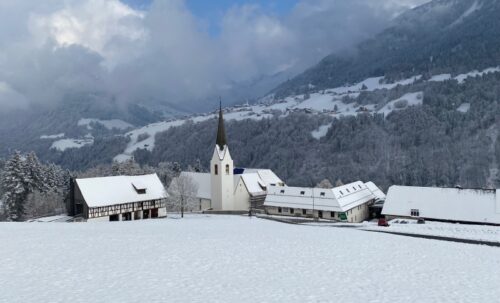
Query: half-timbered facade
{"points": [[119, 198]]}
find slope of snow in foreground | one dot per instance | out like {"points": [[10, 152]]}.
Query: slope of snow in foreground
{"points": [[459, 231], [236, 259]]}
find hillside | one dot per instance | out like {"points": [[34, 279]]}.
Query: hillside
{"points": [[417, 105], [443, 36]]}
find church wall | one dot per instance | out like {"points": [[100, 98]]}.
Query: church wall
{"points": [[241, 197]]}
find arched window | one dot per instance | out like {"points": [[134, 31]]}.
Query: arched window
{"points": [[227, 169], [216, 169]]}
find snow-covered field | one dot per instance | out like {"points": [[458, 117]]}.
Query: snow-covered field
{"points": [[64, 144], [460, 231], [236, 259]]}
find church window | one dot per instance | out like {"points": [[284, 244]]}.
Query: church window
{"points": [[216, 169], [227, 169]]}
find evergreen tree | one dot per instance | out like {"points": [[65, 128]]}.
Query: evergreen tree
{"points": [[16, 185]]}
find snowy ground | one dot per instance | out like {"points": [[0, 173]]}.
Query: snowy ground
{"points": [[460, 231], [236, 259]]}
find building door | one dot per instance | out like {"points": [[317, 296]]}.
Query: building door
{"points": [[114, 218], [154, 213], [145, 214]]}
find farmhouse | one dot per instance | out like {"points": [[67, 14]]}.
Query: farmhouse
{"points": [[345, 203], [118, 198], [227, 188], [477, 206]]}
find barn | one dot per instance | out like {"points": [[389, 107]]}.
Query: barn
{"points": [[476, 206], [348, 202], [118, 198]]}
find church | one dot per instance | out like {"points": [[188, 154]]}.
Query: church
{"points": [[227, 188]]}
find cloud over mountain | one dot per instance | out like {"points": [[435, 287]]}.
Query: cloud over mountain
{"points": [[164, 53]]}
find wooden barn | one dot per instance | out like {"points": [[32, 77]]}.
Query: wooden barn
{"points": [[118, 198]]}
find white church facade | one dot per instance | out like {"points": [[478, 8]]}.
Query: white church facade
{"points": [[227, 188]]}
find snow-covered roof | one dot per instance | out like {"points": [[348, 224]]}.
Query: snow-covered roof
{"points": [[114, 190], [254, 184], [375, 190], [454, 204], [202, 180], [266, 175], [339, 199]]}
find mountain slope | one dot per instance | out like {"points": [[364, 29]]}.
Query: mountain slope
{"points": [[443, 36]]}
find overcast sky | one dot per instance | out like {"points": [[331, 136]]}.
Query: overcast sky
{"points": [[170, 50]]}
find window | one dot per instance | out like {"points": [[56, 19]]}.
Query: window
{"points": [[341, 193], [292, 210], [216, 169], [282, 191], [304, 212], [279, 209], [354, 188], [347, 190], [285, 210], [359, 186], [415, 213], [227, 169], [332, 214], [322, 194], [302, 192]]}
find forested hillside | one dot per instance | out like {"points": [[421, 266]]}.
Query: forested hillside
{"points": [[437, 143], [443, 36]]}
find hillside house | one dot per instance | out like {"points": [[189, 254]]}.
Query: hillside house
{"points": [[118, 198], [348, 202], [476, 206]]}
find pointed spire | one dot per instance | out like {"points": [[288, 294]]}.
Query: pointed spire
{"points": [[221, 132]]}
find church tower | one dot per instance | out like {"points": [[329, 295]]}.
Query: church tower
{"points": [[221, 171]]}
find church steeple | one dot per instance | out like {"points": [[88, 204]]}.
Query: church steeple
{"points": [[221, 132]]}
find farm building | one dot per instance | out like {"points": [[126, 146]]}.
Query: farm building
{"points": [[118, 198], [345, 203], [479, 206]]}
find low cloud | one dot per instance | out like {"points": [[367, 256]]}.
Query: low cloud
{"points": [[164, 54]]}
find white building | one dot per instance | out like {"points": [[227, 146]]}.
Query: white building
{"points": [[443, 204], [226, 188], [346, 203], [118, 198]]}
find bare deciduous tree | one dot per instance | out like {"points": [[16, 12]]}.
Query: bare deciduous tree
{"points": [[182, 191]]}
